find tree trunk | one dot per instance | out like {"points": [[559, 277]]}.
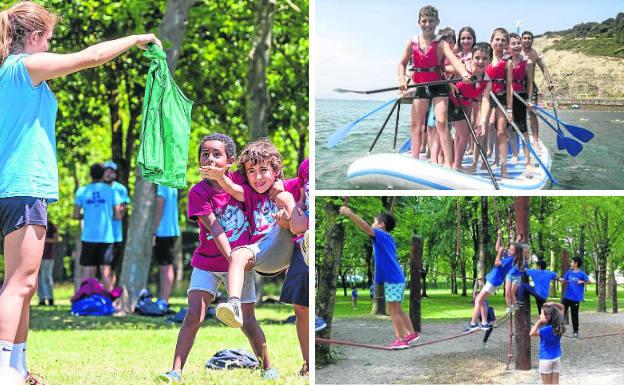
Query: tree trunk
{"points": [[613, 284], [415, 283], [565, 266], [379, 301], [602, 227], [553, 267], [485, 240], [540, 237], [328, 274], [523, 315], [257, 95], [137, 253], [343, 278], [368, 250]]}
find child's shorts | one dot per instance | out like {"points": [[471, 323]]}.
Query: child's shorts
{"points": [[513, 279], [296, 287], [394, 291], [272, 253], [210, 281], [488, 287], [550, 366]]}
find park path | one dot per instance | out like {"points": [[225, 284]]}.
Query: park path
{"points": [[465, 360]]}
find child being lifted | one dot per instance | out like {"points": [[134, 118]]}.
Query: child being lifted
{"points": [[389, 272]]}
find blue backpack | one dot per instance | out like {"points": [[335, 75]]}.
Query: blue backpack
{"points": [[93, 305], [233, 359]]}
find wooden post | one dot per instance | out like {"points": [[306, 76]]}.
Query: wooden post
{"points": [[416, 282], [523, 315]]}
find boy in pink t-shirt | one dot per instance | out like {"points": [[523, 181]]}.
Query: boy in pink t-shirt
{"points": [[222, 226], [270, 248]]}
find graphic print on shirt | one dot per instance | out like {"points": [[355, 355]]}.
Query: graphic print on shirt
{"points": [[233, 221], [263, 218], [96, 199]]}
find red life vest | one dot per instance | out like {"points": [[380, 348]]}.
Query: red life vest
{"points": [[427, 66], [498, 75], [472, 92], [519, 75]]}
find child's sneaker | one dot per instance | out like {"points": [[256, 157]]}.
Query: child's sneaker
{"points": [[170, 377], [270, 374], [471, 327], [410, 338], [319, 324], [398, 344], [509, 310], [230, 314], [485, 326], [514, 307], [575, 335]]}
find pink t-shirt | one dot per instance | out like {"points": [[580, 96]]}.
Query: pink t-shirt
{"points": [[260, 208], [204, 199]]}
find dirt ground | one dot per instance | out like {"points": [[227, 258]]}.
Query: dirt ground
{"points": [[465, 360]]}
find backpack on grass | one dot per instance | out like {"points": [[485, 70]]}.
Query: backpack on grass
{"points": [[233, 359]]}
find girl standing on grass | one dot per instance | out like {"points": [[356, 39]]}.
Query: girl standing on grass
{"points": [[27, 138], [549, 328]]}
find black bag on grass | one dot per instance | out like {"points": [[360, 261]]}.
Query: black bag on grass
{"points": [[233, 359], [149, 308]]}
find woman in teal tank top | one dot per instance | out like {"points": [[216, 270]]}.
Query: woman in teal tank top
{"points": [[27, 138]]}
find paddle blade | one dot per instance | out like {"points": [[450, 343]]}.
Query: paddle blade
{"points": [[572, 146], [560, 143], [580, 133], [406, 146], [340, 134]]}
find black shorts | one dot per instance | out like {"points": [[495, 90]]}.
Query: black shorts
{"points": [[454, 113], [502, 98], [520, 112], [296, 285], [118, 250], [96, 254], [534, 94], [163, 250], [17, 212], [430, 92]]}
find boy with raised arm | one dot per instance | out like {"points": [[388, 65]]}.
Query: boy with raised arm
{"points": [[388, 272]]}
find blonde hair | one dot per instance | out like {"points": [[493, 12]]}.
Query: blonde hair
{"points": [[261, 150], [19, 22]]}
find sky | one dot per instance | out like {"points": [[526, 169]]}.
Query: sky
{"points": [[358, 43]]}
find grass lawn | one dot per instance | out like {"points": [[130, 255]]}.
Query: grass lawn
{"points": [[443, 306], [65, 349]]}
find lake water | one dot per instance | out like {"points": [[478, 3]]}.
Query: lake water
{"points": [[600, 166]]}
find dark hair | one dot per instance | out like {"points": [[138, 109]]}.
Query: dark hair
{"points": [[448, 32], [501, 30], [230, 146], [483, 47], [97, 171], [527, 33], [578, 260], [469, 30], [428, 10], [555, 319], [542, 264], [388, 220], [261, 150], [514, 35]]}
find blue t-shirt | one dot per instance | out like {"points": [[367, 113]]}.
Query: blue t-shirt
{"points": [[514, 271], [574, 291], [387, 268], [550, 344], [496, 276], [123, 194], [97, 201], [541, 281], [168, 226], [27, 139], [354, 293]]}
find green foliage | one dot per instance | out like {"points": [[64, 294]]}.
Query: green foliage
{"points": [[594, 39]]}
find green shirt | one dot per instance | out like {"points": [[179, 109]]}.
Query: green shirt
{"points": [[166, 126]]}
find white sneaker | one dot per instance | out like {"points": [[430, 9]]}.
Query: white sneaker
{"points": [[509, 310], [270, 374], [170, 377], [230, 314]]}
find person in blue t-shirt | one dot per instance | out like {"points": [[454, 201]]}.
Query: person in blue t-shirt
{"points": [[97, 204], [575, 291], [549, 328], [354, 297], [541, 285], [493, 280], [110, 176], [388, 272], [28, 163], [167, 231]]}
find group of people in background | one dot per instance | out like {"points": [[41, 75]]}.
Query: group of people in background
{"points": [[510, 266], [502, 67]]}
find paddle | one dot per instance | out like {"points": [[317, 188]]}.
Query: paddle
{"points": [[570, 145], [406, 146], [554, 102], [415, 85], [515, 127], [580, 133], [481, 153], [341, 133]]}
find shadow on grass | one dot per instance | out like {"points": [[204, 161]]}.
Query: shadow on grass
{"points": [[60, 318]]}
